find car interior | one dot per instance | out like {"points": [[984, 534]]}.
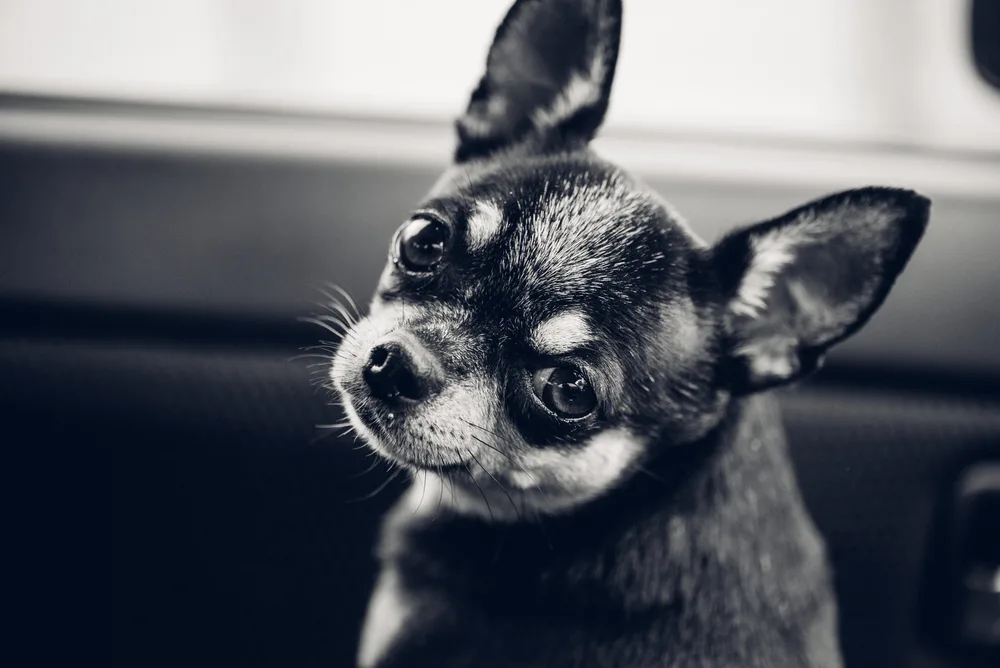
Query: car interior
{"points": [[159, 257]]}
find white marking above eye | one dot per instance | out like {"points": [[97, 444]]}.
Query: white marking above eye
{"points": [[484, 224], [562, 333]]}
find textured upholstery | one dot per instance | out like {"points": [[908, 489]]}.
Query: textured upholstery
{"points": [[235, 538]]}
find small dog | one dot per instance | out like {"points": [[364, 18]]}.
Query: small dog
{"points": [[574, 381]]}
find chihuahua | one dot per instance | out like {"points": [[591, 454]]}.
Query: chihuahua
{"points": [[575, 382]]}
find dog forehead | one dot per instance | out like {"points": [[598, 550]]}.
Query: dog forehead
{"points": [[545, 234], [568, 234]]}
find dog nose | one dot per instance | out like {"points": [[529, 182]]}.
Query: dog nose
{"points": [[394, 375]]}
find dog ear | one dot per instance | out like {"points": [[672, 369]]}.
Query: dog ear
{"points": [[548, 77], [800, 283]]}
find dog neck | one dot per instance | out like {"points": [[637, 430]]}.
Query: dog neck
{"points": [[710, 509]]}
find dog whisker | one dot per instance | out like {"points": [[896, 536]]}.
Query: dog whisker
{"points": [[476, 483], [319, 438], [347, 296], [341, 323], [655, 476], [440, 494], [367, 470], [497, 482], [378, 489], [334, 425], [331, 348], [541, 525], [423, 490], [329, 320], [333, 299], [320, 323], [501, 452], [340, 314], [296, 358]]}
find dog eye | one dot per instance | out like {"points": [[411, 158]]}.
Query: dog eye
{"points": [[421, 244], [565, 391]]}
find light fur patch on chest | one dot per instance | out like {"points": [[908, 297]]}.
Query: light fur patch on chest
{"points": [[388, 613]]}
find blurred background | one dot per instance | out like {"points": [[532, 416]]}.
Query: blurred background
{"points": [[179, 180]]}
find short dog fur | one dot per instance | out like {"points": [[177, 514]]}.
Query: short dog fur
{"points": [[574, 381]]}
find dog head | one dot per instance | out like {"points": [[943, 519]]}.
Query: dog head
{"points": [[545, 323]]}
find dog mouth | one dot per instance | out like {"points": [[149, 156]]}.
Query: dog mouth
{"points": [[381, 433]]}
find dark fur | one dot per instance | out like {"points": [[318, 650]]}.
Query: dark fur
{"points": [[703, 555], [665, 571]]}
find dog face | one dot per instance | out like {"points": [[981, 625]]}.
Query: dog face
{"points": [[535, 324], [545, 323]]}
